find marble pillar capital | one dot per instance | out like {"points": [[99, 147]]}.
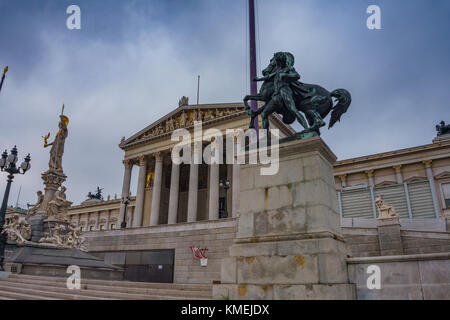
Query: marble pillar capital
{"points": [[369, 173], [398, 168], [427, 163], [128, 164], [158, 156], [343, 177], [141, 161]]}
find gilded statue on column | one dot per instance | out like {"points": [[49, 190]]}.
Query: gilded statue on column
{"points": [[57, 150]]}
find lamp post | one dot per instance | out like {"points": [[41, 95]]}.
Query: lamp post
{"points": [[225, 183], [8, 164], [125, 201]]}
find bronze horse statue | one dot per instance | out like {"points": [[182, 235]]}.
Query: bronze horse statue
{"points": [[313, 100]]}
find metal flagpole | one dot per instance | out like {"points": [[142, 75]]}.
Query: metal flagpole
{"points": [[252, 37], [198, 89]]}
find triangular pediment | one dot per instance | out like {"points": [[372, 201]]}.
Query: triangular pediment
{"points": [[385, 183], [416, 178], [443, 175], [184, 117]]}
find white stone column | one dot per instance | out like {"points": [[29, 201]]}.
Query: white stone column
{"points": [[429, 172], [156, 193], [343, 178], [235, 189], [370, 177], [108, 219], [398, 173], [214, 192], [139, 206], [97, 220], [125, 188], [173, 196], [193, 193]]}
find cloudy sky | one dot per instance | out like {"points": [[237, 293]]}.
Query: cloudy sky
{"points": [[132, 60]]}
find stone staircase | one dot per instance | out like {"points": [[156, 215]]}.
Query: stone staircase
{"points": [[26, 287]]}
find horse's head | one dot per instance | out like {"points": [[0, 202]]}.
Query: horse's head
{"points": [[270, 67]]}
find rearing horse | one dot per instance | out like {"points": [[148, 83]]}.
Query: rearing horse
{"points": [[316, 104]]}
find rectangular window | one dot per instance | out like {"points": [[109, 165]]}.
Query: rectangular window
{"points": [[102, 227], [91, 228], [446, 193], [113, 226]]}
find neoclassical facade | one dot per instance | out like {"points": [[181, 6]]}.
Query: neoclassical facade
{"points": [[415, 180], [169, 193], [177, 207]]}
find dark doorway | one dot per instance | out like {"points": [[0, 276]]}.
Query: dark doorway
{"points": [[223, 208], [143, 266]]}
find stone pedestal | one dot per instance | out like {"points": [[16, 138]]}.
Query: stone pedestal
{"points": [[389, 236], [288, 244], [52, 181], [37, 227]]}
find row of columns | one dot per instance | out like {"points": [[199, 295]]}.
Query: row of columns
{"points": [[97, 223], [174, 191], [399, 180]]}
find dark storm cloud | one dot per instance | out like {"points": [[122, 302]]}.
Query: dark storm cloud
{"points": [[132, 60]]}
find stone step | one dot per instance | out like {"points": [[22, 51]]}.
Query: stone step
{"points": [[138, 292], [51, 288], [46, 287], [116, 283], [8, 295], [42, 294], [205, 294]]}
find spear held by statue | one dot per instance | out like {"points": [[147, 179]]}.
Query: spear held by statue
{"points": [[3, 77]]}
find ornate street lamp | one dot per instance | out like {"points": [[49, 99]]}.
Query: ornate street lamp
{"points": [[8, 164], [225, 183], [125, 200]]}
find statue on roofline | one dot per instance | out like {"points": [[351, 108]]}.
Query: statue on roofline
{"points": [[98, 195], [442, 128]]}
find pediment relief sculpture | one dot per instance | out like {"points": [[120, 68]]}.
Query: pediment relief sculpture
{"points": [[185, 119]]}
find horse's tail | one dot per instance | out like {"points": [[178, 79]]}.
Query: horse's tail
{"points": [[344, 99]]}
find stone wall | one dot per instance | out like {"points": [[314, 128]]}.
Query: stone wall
{"points": [[216, 235], [416, 242], [407, 277], [363, 238], [362, 242]]}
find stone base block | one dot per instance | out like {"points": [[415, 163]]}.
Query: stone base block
{"points": [[37, 227], [288, 243], [44, 261], [341, 291]]}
